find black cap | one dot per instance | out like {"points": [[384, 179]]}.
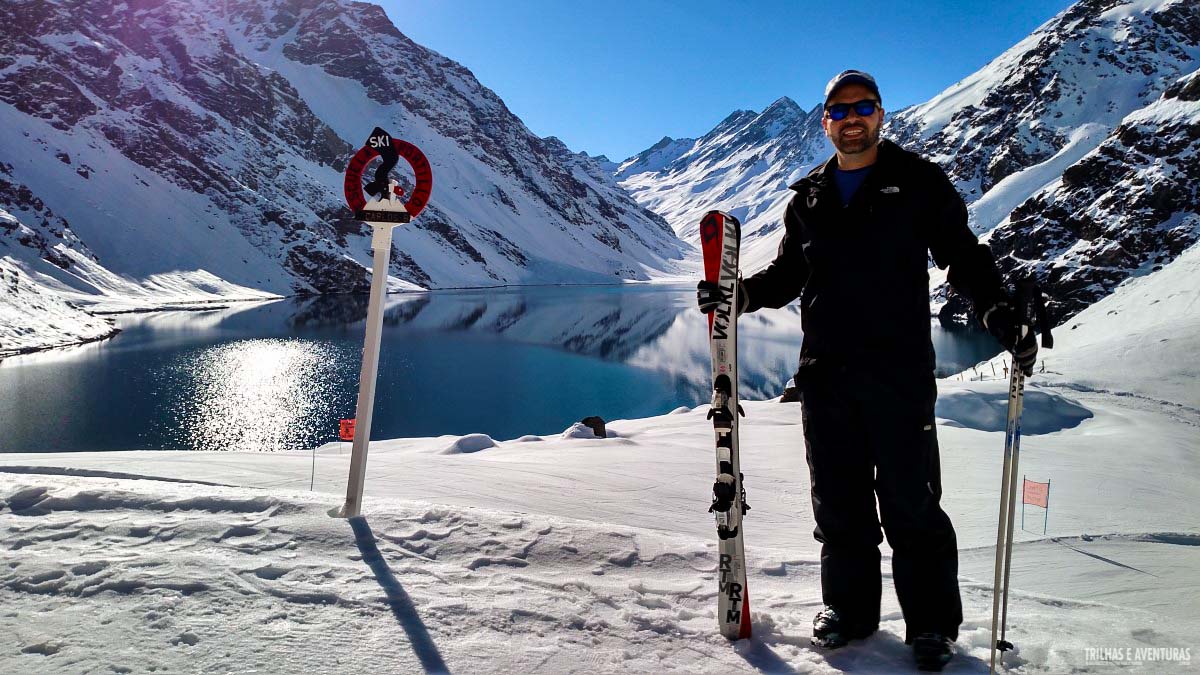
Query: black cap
{"points": [[851, 77]]}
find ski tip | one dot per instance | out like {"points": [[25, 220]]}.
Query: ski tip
{"points": [[715, 214], [710, 226], [715, 222], [720, 213]]}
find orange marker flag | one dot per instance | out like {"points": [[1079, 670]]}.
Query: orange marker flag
{"points": [[1036, 494], [346, 430]]}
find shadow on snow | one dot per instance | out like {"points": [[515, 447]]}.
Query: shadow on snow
{"points": [[398, 599]]}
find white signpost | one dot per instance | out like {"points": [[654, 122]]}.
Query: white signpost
{"points": [[384, 211]]}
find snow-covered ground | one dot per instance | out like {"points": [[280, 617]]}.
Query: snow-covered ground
{"points": [[566, 554]]}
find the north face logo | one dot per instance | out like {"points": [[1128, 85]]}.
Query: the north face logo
{"points": [[890, 190]]}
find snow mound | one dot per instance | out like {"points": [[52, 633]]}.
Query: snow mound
{"points": [[528, 438], [469, 444], [579, 430], [983, 409]]}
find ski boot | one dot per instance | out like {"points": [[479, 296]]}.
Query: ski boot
{"points": [[831, 631], [932, 651]]}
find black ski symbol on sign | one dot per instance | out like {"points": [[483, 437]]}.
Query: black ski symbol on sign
{"points": [[381, 141]]}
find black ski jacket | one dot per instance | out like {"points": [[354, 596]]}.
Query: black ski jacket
{"points": [[861, 271]]}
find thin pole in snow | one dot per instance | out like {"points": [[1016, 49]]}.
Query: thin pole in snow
{"points": [[1046, 521], [1023, 481]]}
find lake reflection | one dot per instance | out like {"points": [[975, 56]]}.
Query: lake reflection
{"points": [[505, 362]]}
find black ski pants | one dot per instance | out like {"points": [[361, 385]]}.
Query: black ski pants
{"points": [[870, 434]]}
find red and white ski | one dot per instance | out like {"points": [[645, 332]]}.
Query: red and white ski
{"points": [[720, 239]]}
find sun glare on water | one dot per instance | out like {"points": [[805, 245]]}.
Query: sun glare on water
{"points": [[259, 396]]}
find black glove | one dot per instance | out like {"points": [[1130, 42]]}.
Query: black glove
{"points": [[709, 295], [1014, 333]]}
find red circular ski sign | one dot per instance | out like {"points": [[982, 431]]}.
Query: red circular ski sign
{"points": [[381, 144]]}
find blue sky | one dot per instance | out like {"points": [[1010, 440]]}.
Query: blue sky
{"points": [[615, 77]]}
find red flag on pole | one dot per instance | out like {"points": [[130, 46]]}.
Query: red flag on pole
{"points": [[1036, 494], [346, 430]]}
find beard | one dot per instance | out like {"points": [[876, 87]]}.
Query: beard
{"points": [[853, 146]]}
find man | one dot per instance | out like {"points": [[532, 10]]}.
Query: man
{"points": [[858, 235]]}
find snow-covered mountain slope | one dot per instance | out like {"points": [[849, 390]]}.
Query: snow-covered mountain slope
{"points": [[655, 158], [31, 315], [1125, 209], [197, 147], [513, 210], [1051, 98], [1077, 148], [1140, 341], [743, 166], [33, 318]]}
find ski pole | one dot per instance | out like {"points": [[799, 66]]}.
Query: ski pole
{"points": [[1016, 383], [1004, 645], [1028, 295]]}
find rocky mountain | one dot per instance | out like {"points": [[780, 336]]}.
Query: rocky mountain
{"points": [[742, 166], [1126, 209], [1066, 131], [193, 151]]}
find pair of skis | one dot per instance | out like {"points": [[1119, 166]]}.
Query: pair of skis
{"points": [[1027, 295], [720, 239]]}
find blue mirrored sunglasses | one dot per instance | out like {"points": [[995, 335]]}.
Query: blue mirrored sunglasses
{"points": [[840, 111]]}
